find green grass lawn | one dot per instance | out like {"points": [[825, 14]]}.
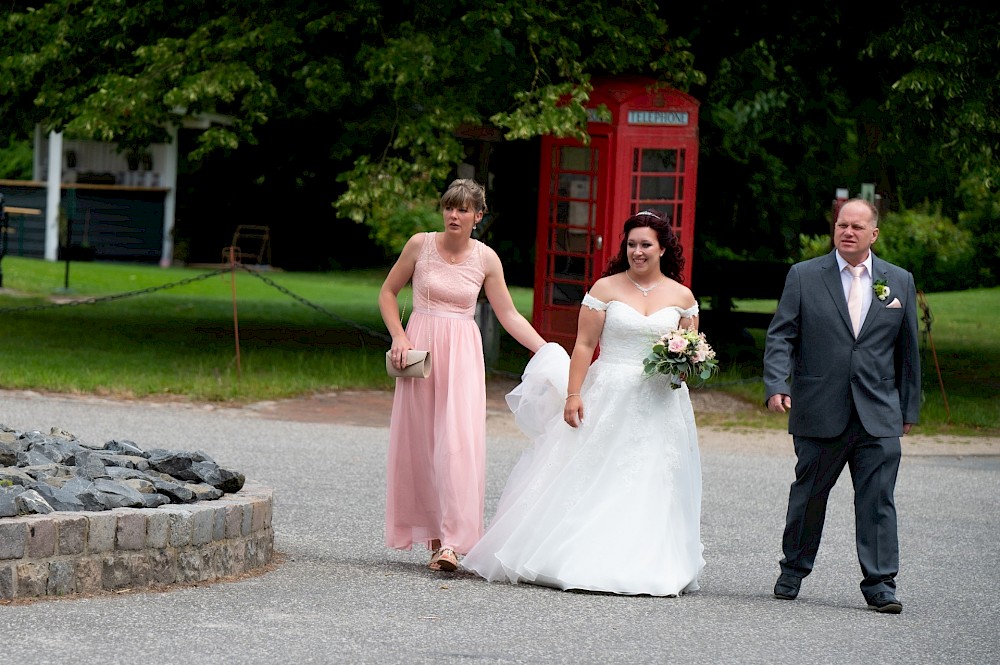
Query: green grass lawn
{"points": [[963, 344], [328, 335]]}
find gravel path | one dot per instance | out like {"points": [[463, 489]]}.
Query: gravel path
{"points": [[339, 596]]}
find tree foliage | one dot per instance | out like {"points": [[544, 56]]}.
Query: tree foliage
{"points": [[939, 252], [361, 104], [802, 100], [396, 79]]}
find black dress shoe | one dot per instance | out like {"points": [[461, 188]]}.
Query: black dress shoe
{"points": [[885, 601], [787, 587]]}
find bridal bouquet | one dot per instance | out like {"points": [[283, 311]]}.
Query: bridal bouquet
{"points": [[681, 354]]}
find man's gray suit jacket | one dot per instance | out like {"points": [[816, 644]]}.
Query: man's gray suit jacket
{"points": [[811, 353]]}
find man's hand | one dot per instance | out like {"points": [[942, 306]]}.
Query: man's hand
{"points": [[779, 403]]}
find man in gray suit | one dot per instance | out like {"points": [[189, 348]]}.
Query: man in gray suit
{"points": [[843, 344]]}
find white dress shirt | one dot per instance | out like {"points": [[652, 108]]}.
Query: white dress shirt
{"points": [[866, 282]]}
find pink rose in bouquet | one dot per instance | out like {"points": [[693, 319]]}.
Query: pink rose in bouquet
{"points": [[681, 354]]}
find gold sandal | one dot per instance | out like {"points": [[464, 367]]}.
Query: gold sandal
{"points": [[444, 559]]}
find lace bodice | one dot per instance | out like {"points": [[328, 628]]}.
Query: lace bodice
{"points": [[628, 336], [443, 287]]}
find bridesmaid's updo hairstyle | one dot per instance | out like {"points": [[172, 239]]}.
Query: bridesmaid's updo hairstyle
{"points": [[464, 193], [672, 261]]}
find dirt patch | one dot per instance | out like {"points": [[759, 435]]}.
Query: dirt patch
{"points": [[725, 423], [371, 408]]}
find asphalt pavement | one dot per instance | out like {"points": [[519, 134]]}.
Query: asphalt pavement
{"points": [[339, 596]]}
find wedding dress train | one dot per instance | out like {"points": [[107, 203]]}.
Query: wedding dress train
{"points": [[613, 505]]}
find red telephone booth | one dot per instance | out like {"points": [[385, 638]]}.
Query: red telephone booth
{"points": [[645, 158]]}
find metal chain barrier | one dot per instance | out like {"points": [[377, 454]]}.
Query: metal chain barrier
{"points": [[322, 310], [370, 331], [117, 296], [189, 280]]}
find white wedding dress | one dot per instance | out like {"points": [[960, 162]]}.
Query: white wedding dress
{"points": [[614, 505]]}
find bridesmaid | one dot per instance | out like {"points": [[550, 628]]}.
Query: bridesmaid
{"points": [[437, 432]]}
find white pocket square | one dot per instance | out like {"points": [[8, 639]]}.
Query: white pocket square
{"points": [[895, 304]]}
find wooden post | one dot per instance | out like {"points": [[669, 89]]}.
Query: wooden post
{"points": [[236, 318]]}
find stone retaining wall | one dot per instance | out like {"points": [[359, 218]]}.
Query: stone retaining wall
{"points": [[63, 553]]}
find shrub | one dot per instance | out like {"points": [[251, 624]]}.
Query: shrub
{"points": [[940, 255], [931, 246]]}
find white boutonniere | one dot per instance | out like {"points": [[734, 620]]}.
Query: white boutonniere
{"points": [[881, 289]]}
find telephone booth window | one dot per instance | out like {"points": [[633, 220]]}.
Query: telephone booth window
{"points": [[570, 229], [575, 179], [641, 155], [658, 182]]}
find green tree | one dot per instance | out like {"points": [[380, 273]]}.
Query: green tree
{"points": [[938, 252], [394, 80], [358, 104], [949, 92], [801, 100], [15, 158]]}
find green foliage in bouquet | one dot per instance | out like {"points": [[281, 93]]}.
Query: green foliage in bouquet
{"points": [[680, 355]]}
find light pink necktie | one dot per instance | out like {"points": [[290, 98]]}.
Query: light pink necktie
{"points": [[854, 297]]}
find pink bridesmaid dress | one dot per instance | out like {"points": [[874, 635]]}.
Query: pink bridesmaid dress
{"points": [[437, 435]]}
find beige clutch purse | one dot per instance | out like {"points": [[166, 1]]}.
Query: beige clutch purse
{"points": [[418, 365]]}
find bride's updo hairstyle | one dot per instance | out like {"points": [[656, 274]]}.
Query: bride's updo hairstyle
{"points": [[672, 261], [464, 193]]}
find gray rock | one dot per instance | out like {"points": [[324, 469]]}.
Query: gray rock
{"points": [[8, 435], [204, 492], [140, 485], [39, 471], [124, 473], [178, 493], [122, 495], [8, 505], [232, 481], [57, 450], [155, 500], [62, 434], [214, 475], [176, 464], [30, 437], [125, 447], [125, 461], [90, 466], [34, 456], [31, 502], [52, 481], [58, 471], [14, 475], [88, 495], [58, 497], [78, 484]]}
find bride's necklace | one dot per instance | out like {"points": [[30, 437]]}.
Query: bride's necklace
{"points": [[645, 290]]}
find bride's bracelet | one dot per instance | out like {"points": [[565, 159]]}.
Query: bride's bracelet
{"points": [[572, 395]]}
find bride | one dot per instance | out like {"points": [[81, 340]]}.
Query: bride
{"points": [[609, 497]]}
